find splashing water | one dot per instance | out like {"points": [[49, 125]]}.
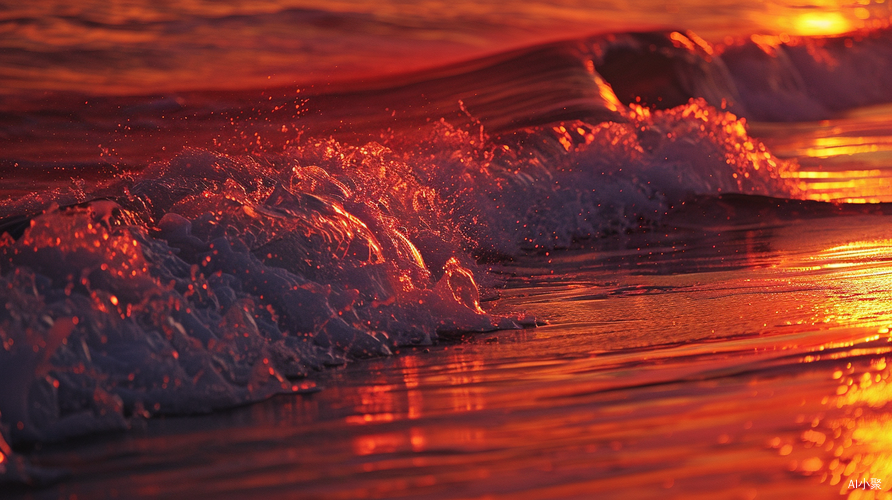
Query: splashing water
{"points": [[214, 260]]}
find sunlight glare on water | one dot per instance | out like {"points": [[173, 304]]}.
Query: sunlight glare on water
{"points": [[845, 159]]}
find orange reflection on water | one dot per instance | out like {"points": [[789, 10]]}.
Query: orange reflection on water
{"points": [[856, 253], [844, 159], [383, 403], [414, 396], [847, 186], [860, 442], [851, 441], [388, 402], [391, 442], [857, 279], [825, 147], [379, 443]]}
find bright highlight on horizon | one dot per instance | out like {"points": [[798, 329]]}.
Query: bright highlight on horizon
{"points": [[821, 23]]}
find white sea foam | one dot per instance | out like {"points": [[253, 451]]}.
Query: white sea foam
{"points": [[211, 280]]}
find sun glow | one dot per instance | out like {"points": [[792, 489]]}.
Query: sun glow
{"points": [[821, 23]]}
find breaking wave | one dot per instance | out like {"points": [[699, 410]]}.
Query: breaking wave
{"points": [[214, 278]]}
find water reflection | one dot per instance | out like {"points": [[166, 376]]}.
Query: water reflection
{"points": [[567, 413], [856, 440], [663, 417], [847, 442], [628, 393], [845, 159], [858, 276]]}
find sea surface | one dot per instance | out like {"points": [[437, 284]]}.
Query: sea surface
{"points": [[425, 250]]}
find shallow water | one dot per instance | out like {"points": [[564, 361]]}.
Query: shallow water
{"points": [[757, 369]]}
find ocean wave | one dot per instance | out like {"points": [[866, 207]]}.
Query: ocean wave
{"points": [[592, 80], [215, 278], [767, 78]]}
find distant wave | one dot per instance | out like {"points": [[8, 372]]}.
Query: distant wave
{"points": [[590, 80], [763, 78]]}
